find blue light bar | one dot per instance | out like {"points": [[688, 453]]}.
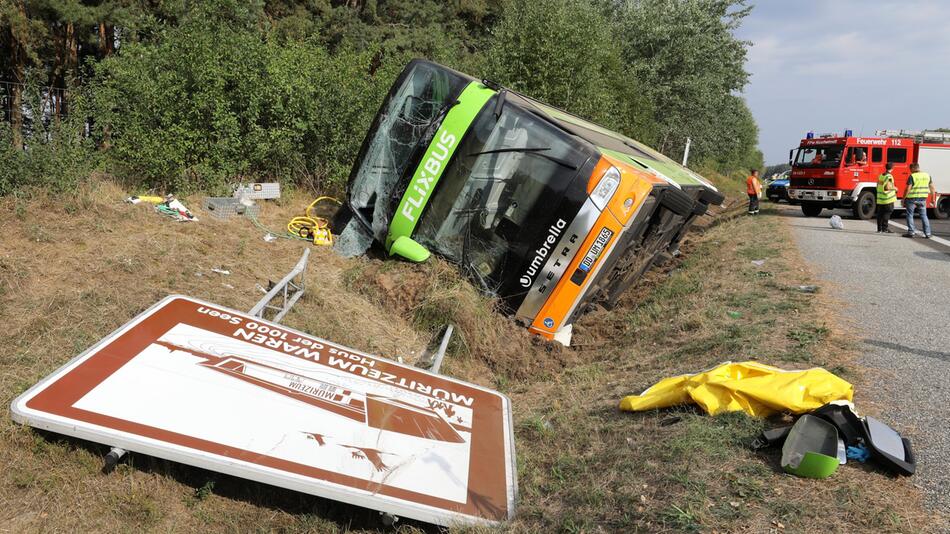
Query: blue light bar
{"points": [[810, 135], [848, 133]]}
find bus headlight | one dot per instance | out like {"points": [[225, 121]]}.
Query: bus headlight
{"points": [[606, 188]]}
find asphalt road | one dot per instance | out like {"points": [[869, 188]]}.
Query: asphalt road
{"points": [[896, 297]]}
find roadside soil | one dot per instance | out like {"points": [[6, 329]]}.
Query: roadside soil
{"points": [[72, 270]]}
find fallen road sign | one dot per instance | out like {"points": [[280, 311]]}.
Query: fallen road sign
{"points": [[206, 386]]}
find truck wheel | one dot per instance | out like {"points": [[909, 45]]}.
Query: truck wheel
{"points": [[942, 209], [864, 205], [811, 210]]}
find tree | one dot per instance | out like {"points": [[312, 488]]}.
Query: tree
{"points": [[685, 56], [564, 52]]}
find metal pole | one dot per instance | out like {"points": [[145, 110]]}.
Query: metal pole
{"points": [[686, 151], [283, 288]]}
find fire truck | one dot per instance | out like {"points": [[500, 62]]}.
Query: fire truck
{"points": [[832, 171]]}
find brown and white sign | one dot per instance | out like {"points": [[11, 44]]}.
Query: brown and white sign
{"points": [[203, 385]]}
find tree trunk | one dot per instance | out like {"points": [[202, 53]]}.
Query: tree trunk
{"points": [[18, 61], [106, 40]]}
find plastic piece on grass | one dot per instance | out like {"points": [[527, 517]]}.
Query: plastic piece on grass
{"points": [[889, 449], [752, 387], [811, 449], [845, 419], [859, 453], [771, 437]]}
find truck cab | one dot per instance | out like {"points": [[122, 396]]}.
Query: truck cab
{"points": [[841, 171]]}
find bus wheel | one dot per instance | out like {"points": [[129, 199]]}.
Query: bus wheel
{"points": [[811, 210], [864, 205], [942, 209]]}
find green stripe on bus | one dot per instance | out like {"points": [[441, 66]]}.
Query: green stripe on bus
{"points": [[457, 121]]}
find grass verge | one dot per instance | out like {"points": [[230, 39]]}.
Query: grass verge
{"points": [[72, 271]]}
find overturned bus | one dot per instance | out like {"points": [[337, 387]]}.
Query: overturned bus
{"points": [[545, 211]]}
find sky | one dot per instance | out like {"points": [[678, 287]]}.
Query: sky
{"points": [[832, 65]]}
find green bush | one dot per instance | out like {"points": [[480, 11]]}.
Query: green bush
{"points": [[58, 158], [209, 106]]}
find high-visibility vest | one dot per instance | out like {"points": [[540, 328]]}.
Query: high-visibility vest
{"points": [[752, 186], [885, 197], [921, 187]]}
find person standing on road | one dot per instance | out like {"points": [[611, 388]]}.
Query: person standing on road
{"points": [[886, 196], [919, 187], [754, 188]]}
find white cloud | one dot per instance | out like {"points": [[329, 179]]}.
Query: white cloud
{"points": [[820, 65]]}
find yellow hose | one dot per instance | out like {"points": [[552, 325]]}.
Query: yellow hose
{"points": [[312, 227]]}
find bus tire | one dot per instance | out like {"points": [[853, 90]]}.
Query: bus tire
{"points": [[677, 201], [810, 209], [942, 208], [864, 205]]}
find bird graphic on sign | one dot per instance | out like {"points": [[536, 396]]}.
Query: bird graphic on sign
{"points": [[374, 456], [321, 439]]}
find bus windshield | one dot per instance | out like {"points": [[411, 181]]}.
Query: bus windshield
{"points": [[819, 156], [406, 122], [503, 184]]}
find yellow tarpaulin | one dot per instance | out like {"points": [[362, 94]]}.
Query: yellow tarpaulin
{"points": [[752, 387]]}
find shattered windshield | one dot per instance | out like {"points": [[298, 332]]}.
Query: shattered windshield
{"points": [[819, 156], [503, 184], [406, 121]]}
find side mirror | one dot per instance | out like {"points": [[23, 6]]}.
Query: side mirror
{"points": [[790, 157], [406, 247]]}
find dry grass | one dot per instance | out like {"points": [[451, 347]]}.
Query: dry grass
{"points": [[71, 272]]}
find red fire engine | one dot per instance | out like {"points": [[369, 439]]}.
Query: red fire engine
{"points": [[840, 171]]}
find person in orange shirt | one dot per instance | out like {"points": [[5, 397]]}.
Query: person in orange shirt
{"points": [[753, 187]]}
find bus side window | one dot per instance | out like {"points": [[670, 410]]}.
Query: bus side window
{"points": [[877, 154]]}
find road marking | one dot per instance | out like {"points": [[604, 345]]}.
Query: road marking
{"points": [[933, 238]]}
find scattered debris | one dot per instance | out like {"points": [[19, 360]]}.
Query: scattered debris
{"points": [[149, 199], [856, 438], [807, 289], [733, 314], [836, 222], [671, 420], [229, 286], [167, 205], [758, 263], [269, 237], [224, 272], [752, 387], [258, 191], [811, 448], [858, 453], [227, 207]]}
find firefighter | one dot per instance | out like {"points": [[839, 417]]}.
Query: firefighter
{"points": [[886, 196], [862, 158], [919, 187], [754, 189]]}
